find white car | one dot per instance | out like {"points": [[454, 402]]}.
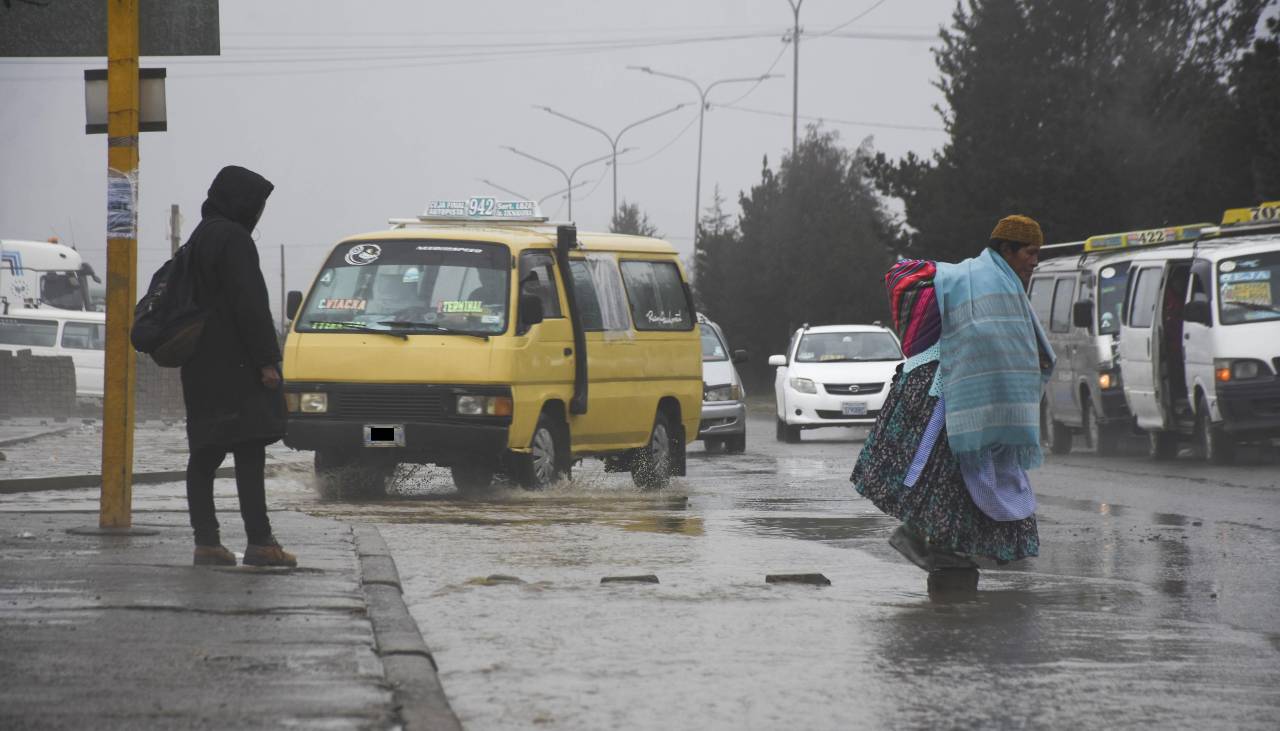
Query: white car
{"points": [[833, 375]]}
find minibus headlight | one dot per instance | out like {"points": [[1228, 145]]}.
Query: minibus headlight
{"points": [[1226, 370], [469, 405], [1108, 380], [313, 403], [728, 392], [803, 385]]}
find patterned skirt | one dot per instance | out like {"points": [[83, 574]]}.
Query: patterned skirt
{"points": [[938, 506]]}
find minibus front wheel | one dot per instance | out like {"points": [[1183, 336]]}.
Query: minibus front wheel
{"points": [[547, 460]]}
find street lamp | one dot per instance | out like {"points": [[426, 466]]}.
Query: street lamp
{"points": [[613, 141], [568, 177], [521, 196], [702, 108]]}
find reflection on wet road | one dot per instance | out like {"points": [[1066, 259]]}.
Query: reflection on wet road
{"points": [[1155, 602]]}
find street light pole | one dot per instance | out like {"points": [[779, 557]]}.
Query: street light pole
{"points": [[702, 108], [795, 74], [521, 196], [568, 176], [613, 141]]}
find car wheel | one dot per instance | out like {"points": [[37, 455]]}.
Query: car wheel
{"points": [[1102, 437], [736, 444], [780, 432], [471, 477], [1212, 442], [651, 467], [713, 444], [546, 461], [1162, 445]]}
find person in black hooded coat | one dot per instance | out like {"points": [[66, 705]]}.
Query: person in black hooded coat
{"points": [[232, 383]]}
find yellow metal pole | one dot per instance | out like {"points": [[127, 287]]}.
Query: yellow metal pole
{"points": [[122, 262]]}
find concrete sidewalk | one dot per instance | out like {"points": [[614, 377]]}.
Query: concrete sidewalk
{"points": [[123, 632]]}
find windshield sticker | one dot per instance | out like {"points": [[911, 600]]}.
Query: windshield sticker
{"points": [[362, 254], [1262, 275], [452, 249], [328, 325], [464, 307], [1228, 266], [327, 278], [491, 319], [411, 276], [358, 305], [663, 318], [1249, 293], [1108, 272]]}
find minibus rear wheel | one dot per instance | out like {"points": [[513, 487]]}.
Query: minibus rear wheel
{"points": [[653, 463]]}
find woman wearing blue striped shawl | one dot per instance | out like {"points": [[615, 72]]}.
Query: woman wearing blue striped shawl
{"points": [[949, 452]]}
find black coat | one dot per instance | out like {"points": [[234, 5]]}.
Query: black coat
{"points": [[222, 383]]}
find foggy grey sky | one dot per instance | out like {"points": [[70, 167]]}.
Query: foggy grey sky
{"points": [[422, 95]]}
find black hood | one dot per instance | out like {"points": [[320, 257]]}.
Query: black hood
{"points": [[238, 194]]}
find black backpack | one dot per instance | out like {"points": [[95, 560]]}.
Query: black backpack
{"points": [[167, 322]]}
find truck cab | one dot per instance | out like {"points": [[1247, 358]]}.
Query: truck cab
{"points": [[42, 274]]}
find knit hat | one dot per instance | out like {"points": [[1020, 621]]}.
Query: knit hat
{"points": [[1021, 229]]}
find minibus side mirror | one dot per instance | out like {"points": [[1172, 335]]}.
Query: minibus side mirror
{"points": [[1197, 311], [740, 357], [293, 301], [530, 310], [1082, 313], [777, 360]]}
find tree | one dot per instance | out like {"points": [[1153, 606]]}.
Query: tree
{"points": [[1091, 117], [1256, 88], [628, 219], [810, 247]]}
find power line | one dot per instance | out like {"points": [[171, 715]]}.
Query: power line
{"points": [[834, 120], [852, 20]]}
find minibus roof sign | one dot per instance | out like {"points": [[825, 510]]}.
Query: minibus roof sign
{"points": [[1147, 237], [1263, 213], [483, 208]]}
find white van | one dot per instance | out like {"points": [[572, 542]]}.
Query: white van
{"points": [[1200, 337], [1077, 292], [50, 331]]}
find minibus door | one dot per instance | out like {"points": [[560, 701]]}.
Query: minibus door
{"points": [[1140, 345]]}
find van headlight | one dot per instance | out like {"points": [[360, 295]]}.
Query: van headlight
{"points": [[1108, 380], [307, 403], [728, 392], [1226, 370], [804, 385], [470, 405]]}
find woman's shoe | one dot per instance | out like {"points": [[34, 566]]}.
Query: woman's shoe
{"points": [[912, 547], [268, 554], [214, 556]]}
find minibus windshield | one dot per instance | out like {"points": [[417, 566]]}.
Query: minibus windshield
{"points": [[847, 347], [425, 286], [1111, 283], [1249, 288]]}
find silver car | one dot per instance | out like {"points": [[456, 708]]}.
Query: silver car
{"points": [[724, 408]]}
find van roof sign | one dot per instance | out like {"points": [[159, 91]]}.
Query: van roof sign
{"points": [[483, 208], [1263, 213], [1148, 237]]}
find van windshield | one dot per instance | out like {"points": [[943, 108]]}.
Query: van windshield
{"points": [[1112, 280], [845, 347], [1249, 288], [427, 286]]}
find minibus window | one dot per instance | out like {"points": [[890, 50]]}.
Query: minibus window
{"points": [[1145, 288], [1042, 298], [23, 331], [588, 301], [1249, 288], [1061, 319], [426, 285], [84, 336], [658, 299], [537, 277], [1112, 279]]}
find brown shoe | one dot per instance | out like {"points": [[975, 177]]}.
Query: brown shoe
{"points": [[214, 556], [268, 554]]}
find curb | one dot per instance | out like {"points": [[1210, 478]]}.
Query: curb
{"points": [[77, 482], [420, 700], [37, 435]]}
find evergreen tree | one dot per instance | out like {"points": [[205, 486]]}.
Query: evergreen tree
{"points": [[628, 219], [1256, 86]]}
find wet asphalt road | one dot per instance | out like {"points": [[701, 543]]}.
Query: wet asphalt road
{"points": [[1155, 602]]}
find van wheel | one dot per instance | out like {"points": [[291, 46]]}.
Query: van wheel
{"points": [[736, 444], [471, 477], [1102, 437], [1162, 445], [1212, 442], [344, 475], [652, 465], [547, 460]]}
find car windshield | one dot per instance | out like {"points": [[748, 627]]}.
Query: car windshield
{"points": [[1249, 288], [1111, 283], [712, 347], [412, 286], [844, 347]]}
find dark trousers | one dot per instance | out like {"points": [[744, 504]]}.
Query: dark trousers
{"points": [[250, 484]]}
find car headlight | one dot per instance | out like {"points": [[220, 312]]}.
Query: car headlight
{"points": [[1226, 369], [728, 392], [312, 403], [468, 405], [804, 385]]}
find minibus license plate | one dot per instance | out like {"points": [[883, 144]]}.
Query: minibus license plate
{"points": [[854, 408], [383, 435]]}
